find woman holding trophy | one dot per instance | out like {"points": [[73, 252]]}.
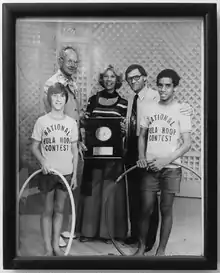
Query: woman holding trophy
{"points": [[99, 175]]}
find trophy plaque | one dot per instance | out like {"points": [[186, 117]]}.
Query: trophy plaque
{"points": [[103, 138]]}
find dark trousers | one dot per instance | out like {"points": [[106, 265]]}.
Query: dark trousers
{"points": [[134, 178]]}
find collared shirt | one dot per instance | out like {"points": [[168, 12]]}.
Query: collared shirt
{"points": [[145, 96], [72, 106]]}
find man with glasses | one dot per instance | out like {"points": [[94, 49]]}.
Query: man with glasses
{"points": [[136, 76], [67, 73]]}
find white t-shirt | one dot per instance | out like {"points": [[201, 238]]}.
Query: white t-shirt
{"points": [[56, 137], [165, 123]]}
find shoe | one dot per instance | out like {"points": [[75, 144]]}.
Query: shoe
{"points": [[62, 243], [131, 241], [83, 239], [107, 241], [66, 235], [148, 248]]}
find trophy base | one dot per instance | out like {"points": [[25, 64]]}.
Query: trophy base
{"points": [[102, 151]]}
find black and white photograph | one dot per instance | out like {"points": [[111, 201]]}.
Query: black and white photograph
{"points": [[105, 64], [110, 136]]}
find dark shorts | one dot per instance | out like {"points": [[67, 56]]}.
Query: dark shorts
{"points": [[168, 180], [49, 182]]}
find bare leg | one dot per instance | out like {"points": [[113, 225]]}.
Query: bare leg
{"points": [[46, 222], [147, 199], [58, 220], [166, 208]]}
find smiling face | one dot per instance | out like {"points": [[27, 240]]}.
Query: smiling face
{"points": [[109, 80], [69, 62], [58, 101], [165, 89], [136, 80]]}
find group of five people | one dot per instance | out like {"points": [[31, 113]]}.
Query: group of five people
{"points": [[156, 133]]}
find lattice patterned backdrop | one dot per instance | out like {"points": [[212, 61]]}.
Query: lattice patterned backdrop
{"points": [[154, 44]]}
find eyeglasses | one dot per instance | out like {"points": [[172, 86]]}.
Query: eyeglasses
{"points": [[134, 78], [74, 63]]}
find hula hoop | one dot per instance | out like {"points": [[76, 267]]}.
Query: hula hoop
{"points": [[71, 201], [113, 190]]}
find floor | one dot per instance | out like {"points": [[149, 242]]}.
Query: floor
{"points": [[186, 236]]}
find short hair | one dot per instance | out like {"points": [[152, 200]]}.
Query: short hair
{"points": [[62, 53], [56, 88], [119, 77], [169, 73], [133, 67]]}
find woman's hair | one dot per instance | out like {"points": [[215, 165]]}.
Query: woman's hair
{"points": [[119, 77], [169, 73], [133, 67], [56, 88]]}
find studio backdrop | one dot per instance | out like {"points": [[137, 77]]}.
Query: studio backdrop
{"points": [[155, 44]]}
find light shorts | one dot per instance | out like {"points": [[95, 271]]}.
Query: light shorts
{"points": [[167, 180], [49, 182]]}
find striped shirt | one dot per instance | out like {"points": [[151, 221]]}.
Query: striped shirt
{"points": [[104, 104]]}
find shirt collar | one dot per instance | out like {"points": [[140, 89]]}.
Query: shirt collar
{"points": [[61, 74], [71, 82], [142, 93]]}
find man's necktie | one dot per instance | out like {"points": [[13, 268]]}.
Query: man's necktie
{"points": [[134, 116]]}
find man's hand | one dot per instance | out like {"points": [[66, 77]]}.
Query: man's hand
{"points": [[73, 184], [123, 126], [82, 148], [83, 116], [158, 164], [186, 109]]}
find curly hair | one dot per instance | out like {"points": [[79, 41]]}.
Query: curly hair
{"points": [[56, 88], [119, 77], [169, 73]]}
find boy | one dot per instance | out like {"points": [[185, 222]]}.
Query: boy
{"points": [[168, 139], [54, 145]]}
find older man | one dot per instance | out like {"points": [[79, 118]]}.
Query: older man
{"points": [[67, 73]]}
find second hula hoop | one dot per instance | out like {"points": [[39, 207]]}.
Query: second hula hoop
{"points": [[116, 245]]}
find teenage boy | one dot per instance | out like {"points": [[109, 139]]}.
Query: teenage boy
{"points": [[169, 138], [136, 77], [55, 137]]}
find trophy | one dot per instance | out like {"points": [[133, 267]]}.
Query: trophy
{"points": [[103, 138]]}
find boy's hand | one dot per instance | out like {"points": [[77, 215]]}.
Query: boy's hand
{"points": [[186, 109], [158, 163], [73, 184], [142, 163], [46, 168]]}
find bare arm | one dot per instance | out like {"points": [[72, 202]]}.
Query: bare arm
{"points": [[35, 148], [160, 163], [142, 145], [47, 107], [183, 148], [74, 149]]}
